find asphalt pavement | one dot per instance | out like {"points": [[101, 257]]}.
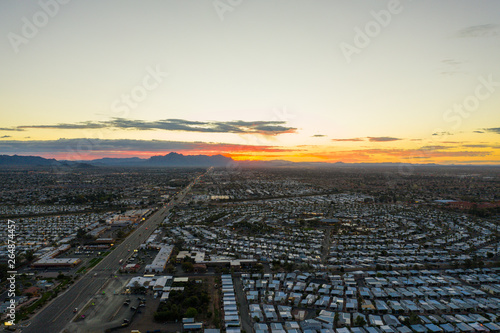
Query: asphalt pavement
{"points": [[246, 321], [58, 314]]}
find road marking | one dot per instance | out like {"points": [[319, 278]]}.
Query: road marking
{"points": [[74, 300], [114, 314]]}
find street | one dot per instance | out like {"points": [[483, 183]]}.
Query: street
{"points": [[56, 315]]}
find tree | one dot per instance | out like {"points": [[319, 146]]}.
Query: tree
{"points": [[120, 234], [192, 301], [336, 319], [359, 321], [30, 255], [414, 319], [80, 233], [189, 259], [191, 313], [187, 266], [137, 288]]}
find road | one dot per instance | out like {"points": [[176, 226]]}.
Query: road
{"points": [[55, 316], [246, 321]]}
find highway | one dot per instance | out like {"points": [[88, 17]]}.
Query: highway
{"points": [[55, 316]]}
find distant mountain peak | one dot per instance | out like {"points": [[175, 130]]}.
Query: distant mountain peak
{"points": [[176, 159], [17, 160]]}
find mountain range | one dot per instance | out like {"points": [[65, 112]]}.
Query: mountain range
{"points": [[15, 160], [169, 160], [179, 160]]}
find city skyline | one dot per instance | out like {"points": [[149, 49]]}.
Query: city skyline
{"points": [[395, 81]]}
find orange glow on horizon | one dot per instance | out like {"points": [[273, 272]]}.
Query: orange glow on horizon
{"points": [[449, 155]]}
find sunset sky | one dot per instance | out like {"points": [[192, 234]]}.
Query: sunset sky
{"points": [[325, 80]]}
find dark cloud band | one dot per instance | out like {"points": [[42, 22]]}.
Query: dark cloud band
{"points": [[240, 127], [89, 145]]}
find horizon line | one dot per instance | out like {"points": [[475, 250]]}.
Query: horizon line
{"points": [[259, 160]]}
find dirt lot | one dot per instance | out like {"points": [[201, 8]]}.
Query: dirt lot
{"points": [[144, 322], [103, 311], [209, 283]]}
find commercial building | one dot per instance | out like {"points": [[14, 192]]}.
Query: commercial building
{"points": [[160, 261]]}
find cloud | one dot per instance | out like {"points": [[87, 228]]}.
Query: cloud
{"points": [[476, 161], [480, 132], [11, 129], [434, 147], [370, 138], [476, 146], [394, 155], [318, 136], [451, 66], [83, 146], [419, 153], [442, 133], [270, 128], [459, 153], [484, 30], [493, 130], [382, 139], [5, 136], [345, 156], [452, 62], [346, 140], [81, 125], [482, 146]]}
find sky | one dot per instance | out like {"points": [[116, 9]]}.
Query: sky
{"points": [[325, 81]]}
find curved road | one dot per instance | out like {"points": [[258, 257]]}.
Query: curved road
{"points": [[55, 316]]}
